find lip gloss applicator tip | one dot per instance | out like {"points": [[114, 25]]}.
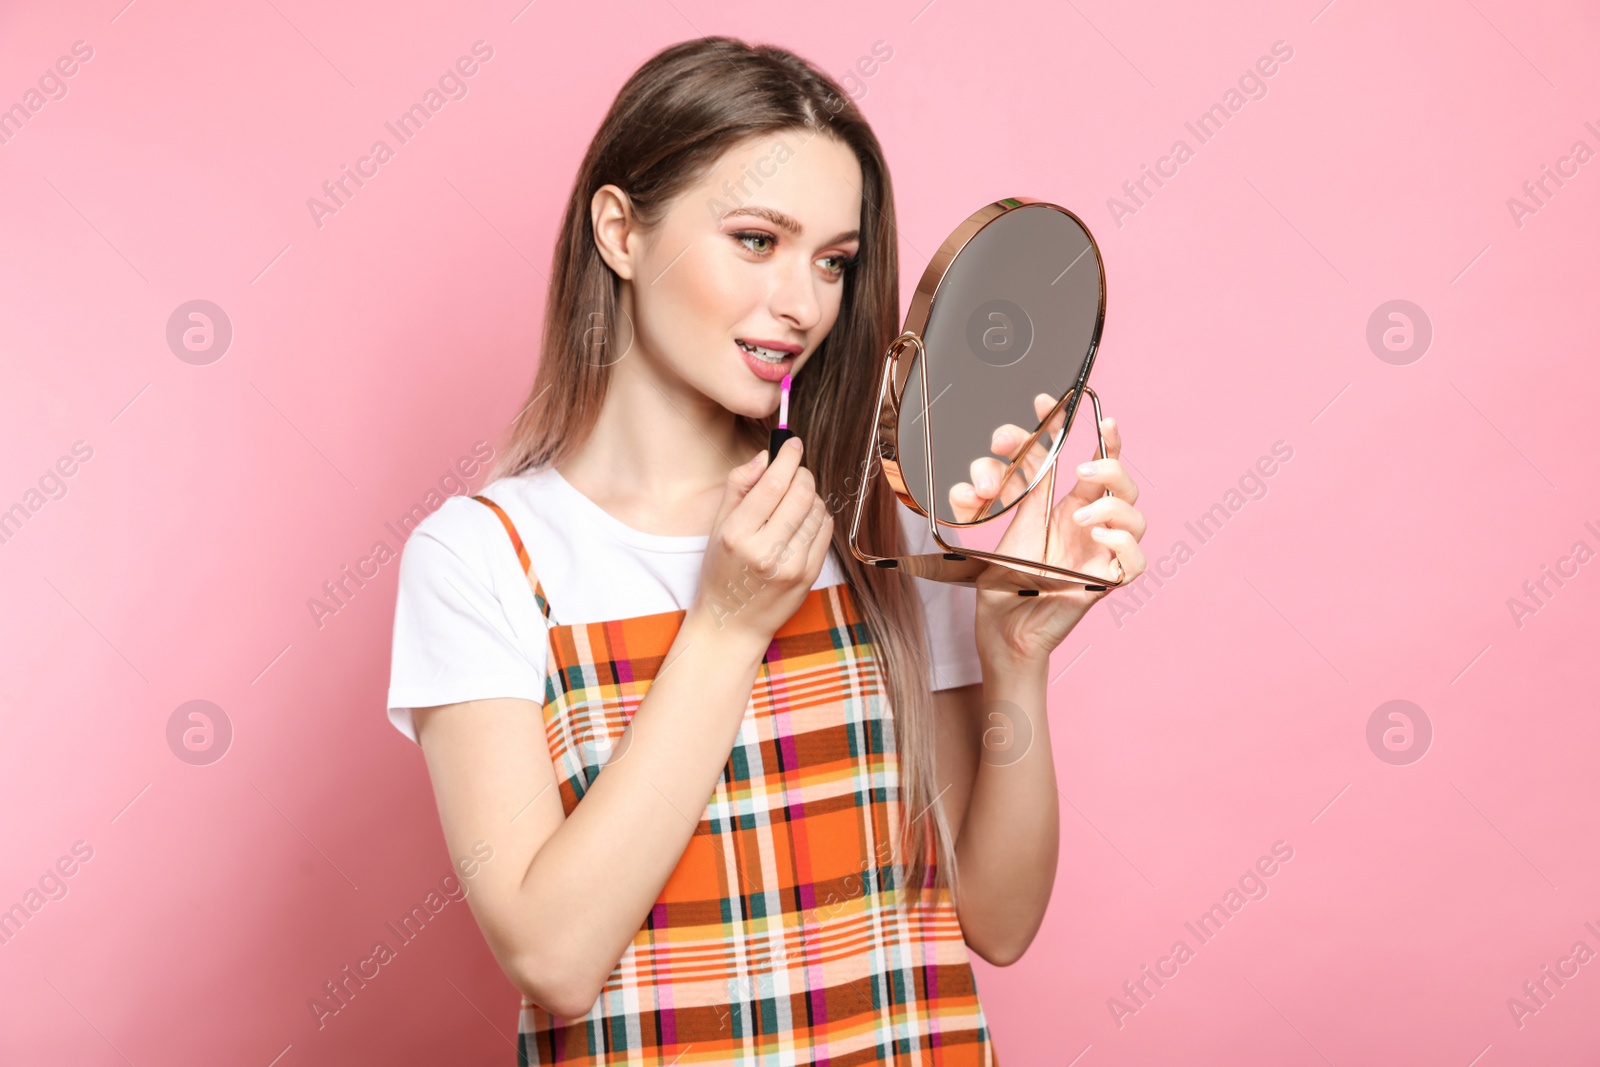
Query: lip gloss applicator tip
{"points": [[782, 432]]}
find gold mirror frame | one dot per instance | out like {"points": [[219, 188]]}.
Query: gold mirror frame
{"points": [[957, 564]]}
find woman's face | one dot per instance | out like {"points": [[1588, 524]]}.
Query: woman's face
{"points": [[743, 278]]}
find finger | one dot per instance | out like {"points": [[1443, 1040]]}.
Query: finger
{"points": [[777, 535], [1048, 422], [1007, 441], [1098, 475], [1007, 487], [985, 473], [1112, 511], [740, 481], [1113, 436], [1042, 405], [1008, 438], [990, 477], [1110, 438], [802, 542], [1126, 550], [968, 498], [965, 501], [760, 501], [979, 496]]}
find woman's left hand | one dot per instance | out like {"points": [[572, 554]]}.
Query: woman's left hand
{"points": [[1089, 532]]}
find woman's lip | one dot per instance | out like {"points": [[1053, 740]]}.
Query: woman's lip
{"points": [[772, 372], [776, 346]]}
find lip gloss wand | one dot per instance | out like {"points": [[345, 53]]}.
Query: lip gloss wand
{"points": [[782, 432]]}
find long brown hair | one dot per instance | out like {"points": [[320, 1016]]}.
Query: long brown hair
{"points": [[671, 121]]}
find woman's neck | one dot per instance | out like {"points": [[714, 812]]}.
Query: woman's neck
{"points": [[658, 463]]}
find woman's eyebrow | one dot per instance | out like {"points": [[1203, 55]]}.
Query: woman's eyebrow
{"points": [[784, 222]]}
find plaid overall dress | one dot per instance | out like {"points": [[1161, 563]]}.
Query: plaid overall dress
{"points": [[779, 938]]}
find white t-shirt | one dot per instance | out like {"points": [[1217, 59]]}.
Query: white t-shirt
{"points": [[466, 625]]}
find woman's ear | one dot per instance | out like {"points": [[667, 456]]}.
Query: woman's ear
{"points": [[615, 226]]}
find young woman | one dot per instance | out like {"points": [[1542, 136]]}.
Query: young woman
{"points": [[792, 743]]}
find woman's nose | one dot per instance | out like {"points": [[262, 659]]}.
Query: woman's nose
{"points": [[795, 298]]}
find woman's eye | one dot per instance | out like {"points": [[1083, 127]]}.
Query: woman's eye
{"points": [[753, 237], [839, 263], [836, 264]]}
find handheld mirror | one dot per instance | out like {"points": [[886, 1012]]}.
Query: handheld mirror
{"points": [[1010, 307]]}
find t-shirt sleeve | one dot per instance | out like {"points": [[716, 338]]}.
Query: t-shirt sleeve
{"points": [[458, 633], [952, 641]]}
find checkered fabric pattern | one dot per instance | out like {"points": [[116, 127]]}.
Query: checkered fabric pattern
{"points": [[779, 938]]}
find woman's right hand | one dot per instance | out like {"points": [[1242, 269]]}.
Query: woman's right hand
{"points": [[767, 546]]}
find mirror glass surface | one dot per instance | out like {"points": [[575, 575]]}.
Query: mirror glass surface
{"points": [[1016, 314]]}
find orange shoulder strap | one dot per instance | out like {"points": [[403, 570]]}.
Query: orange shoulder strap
{"points": [[522, 557]]}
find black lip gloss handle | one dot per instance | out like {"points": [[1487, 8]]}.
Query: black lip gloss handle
{"points": [[779, 436]]}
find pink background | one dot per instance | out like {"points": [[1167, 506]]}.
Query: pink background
{"points": [[1227, 713]]}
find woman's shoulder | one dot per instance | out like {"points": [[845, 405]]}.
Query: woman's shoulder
{"points": [[467, 527]]}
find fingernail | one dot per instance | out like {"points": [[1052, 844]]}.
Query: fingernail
{"points": [[793, 442], [1082, 514], [1086, 468]]}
